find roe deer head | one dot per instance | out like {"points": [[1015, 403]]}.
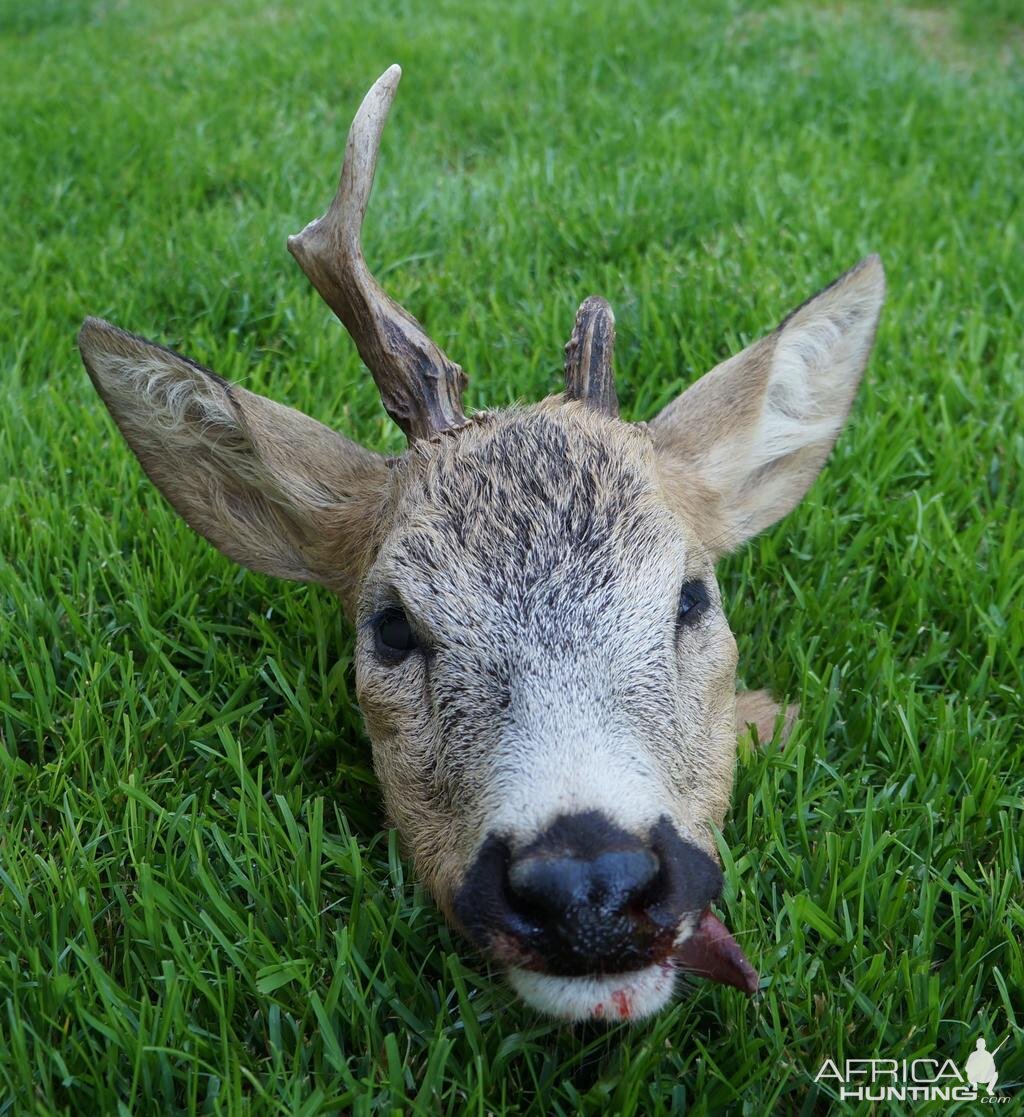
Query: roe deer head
{"points": [[542, 661]]}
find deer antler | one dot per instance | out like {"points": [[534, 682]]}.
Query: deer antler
{"points": [[421, 389], [588, 357]]}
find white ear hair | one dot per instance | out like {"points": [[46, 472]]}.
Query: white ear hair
{"points": [[820, 353], [753, 433], [270, 487]]}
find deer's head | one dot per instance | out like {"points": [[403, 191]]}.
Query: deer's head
{"points": [[543, 663]]}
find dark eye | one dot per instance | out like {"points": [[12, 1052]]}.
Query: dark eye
{"points": [[395, 638], [693, 602]]}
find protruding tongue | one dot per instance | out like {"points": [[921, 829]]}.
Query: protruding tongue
{"points": [[712, 952]]}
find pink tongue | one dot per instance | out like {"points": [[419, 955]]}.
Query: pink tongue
{"points": [[712, 952]]}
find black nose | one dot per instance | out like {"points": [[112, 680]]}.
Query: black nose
{"points": [[600, 886], [585, 896], [591, 890], [590, 907]]}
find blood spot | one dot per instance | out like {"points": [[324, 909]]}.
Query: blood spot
{"points": [[620, 998], [599, 1010]]}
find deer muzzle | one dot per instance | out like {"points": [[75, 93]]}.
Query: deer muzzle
{"points": [[587, 909]]}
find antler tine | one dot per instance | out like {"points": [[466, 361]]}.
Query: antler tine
{"points": [[588, 357], [421, 389]]}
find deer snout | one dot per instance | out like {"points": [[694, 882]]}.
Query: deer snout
{"points": [[585, 897], [591, 910], [604, 885]]}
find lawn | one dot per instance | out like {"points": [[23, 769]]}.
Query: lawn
{"points": [[201, 908]]}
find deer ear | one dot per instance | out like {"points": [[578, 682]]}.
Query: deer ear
{"points": [[266, 485], [741, 446]]}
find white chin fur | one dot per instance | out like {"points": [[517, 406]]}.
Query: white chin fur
{"points": [[626, 996]]}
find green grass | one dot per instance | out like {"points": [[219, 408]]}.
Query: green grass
{"points": [[200, 908]]}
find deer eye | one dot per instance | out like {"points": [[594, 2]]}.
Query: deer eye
{"points": [[394, 636], [693, 603]]}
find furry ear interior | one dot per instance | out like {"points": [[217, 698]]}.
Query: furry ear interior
{"points": [[745, 442], [269, 487]]}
